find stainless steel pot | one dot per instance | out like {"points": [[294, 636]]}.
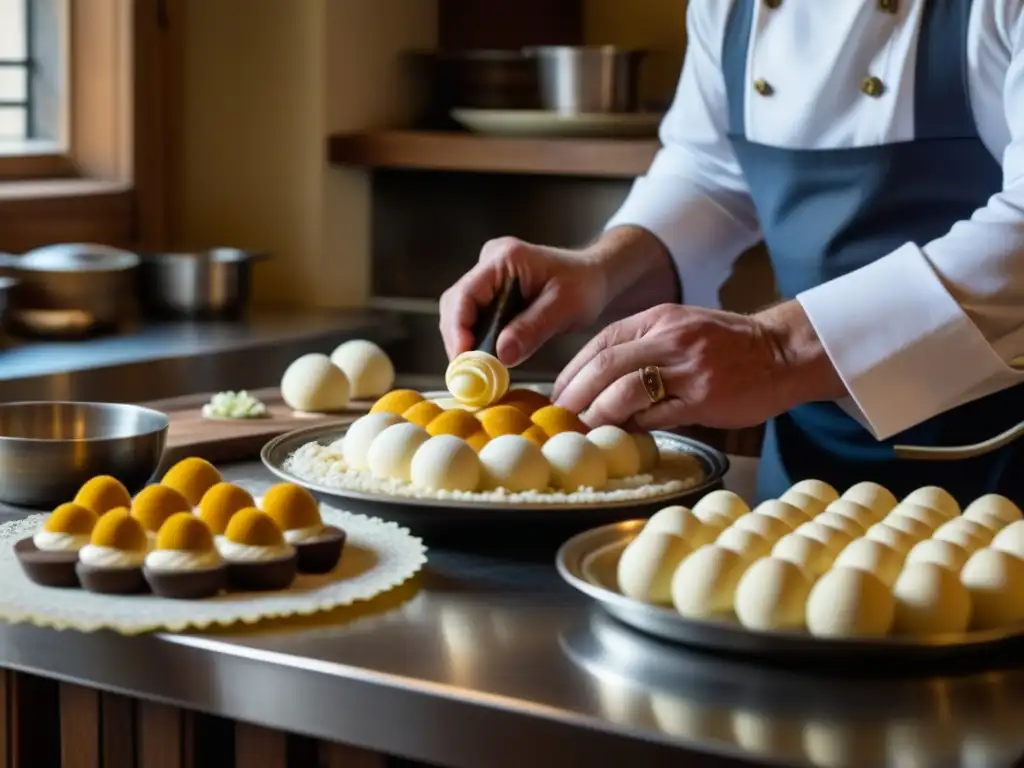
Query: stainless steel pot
{"points": [[71, 288], [588, 79], [215, 283]]}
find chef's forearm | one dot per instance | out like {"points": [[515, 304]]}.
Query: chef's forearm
{"points": [[638, 270]]}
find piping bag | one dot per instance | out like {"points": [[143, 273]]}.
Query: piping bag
{"points": [[508, 303]]}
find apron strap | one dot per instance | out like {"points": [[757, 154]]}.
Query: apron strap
{"points": [[735, 46], [939, 111]]}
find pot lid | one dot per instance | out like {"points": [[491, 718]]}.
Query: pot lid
{"points": [[77, 257]]}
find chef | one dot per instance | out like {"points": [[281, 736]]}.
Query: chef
{"points": [[877, 147]]}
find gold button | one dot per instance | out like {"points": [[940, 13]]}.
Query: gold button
{"points": [[773, 4], [889, 6], [763, 87], [872, 86]]}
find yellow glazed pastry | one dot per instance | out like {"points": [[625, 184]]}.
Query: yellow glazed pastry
{"points": [[253, 528], [111, 563], [555, 420], [397, 401], [102, 494], [119, 530], [458, 423], [220, 503], [423, 413], [67, 529], [184, 531], [526, 400], [318, 547], [501, 420], [535, 435], [154, 504], [258, 556], [476, 379], [291, 506], [185, 564], [478, 440], [192, 477]]}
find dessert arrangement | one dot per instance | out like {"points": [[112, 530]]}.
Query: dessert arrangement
{"points": [[857, 565]]}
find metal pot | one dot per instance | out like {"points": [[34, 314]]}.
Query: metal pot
{"points": [[588, 79], [71, 288], [210, 284]]}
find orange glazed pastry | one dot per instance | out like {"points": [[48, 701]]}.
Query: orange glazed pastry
{"points": [[49, 557], [257, 554], [220, 503], [102, 494], [423, 413], [554, 420], [111, 563], [478, 440], [535, 435], [501, 420], [192, 478], [297, 513], [154, 504], [455, 422], [526, 400], [185, 564], [397, 401]]}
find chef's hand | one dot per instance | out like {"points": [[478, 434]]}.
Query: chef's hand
{"points": [[565, 291], [720, 369]]}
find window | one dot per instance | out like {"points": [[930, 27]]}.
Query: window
{"points": [[15, 70]]}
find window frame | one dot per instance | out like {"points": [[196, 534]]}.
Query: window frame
{"points": [[115, 182]]}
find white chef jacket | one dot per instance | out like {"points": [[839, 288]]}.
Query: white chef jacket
{"points": [[942, 320]]}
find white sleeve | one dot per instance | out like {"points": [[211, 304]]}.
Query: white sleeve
{"points": [[694, 198], [925, 329]]}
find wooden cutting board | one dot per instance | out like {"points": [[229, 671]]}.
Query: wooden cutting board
{"points": [[220, 440]]}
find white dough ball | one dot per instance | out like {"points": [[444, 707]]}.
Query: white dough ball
{"points": [[722, 502], [930, 600], [392, 451], [792, 516], [682, 522], [646, 566], [809, 505], [810, 554], [817, 489], [747, 544], [620, 450], [355, 445], [446, 463], [908, 525], [988, 521], [875, 497], [965, 533], [840, 523], [514, 463], [717, 520], [924, 515], [849, 602], [945, 553], [575, 462], [650, 456], [860, 514], [772, 594], [874, 557], [705, 583], [770, 528], [995, 505], [995, 581], [1010, 539], [368, 368], [833, 538], [936, 498], [313, 383]]}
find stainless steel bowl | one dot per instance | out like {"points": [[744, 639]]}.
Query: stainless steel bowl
{"points": [[588, 79], [215, 283], [48, 449]]}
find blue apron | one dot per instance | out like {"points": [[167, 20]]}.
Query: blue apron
{"points": [[827, 212]]}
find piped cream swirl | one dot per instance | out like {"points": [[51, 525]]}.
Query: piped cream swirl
{"points": [[476, 379], [109, 557], [54, 541]]}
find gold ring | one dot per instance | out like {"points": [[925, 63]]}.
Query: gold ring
{"points": [[650, 377]]}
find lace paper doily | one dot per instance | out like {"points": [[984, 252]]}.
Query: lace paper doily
{"points": [[378, 556]]}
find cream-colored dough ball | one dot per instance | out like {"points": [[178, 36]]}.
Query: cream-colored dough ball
{"points": [[930, 600], [446, 463], [833, 538], [646, 566], [936, 498], [945, 553], [716, 520], [874, 557], [995, 505], [898, 540], [792, 516], [650, 456], [924, 515], [620, 450], [840, 523], [721, 502], [1010, 539], [392, 451], [809, 505], [849, 602], [810, 554], [908, 525], [875, 497], [575, 462], [995, 581], [314, 384], [355, 445], [704, 585], [769, 528], [817, 489], [747, 544], [368, 368], [858, 513], [965, 533], [772, 594], [987, 520], [514, 463], [682, 522]]}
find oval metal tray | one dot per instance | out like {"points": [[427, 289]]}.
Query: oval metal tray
{"points": [[588, 561]]}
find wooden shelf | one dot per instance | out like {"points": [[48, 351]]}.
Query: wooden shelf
{"points": [[472, 153]]}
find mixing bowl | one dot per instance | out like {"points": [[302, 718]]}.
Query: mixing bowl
{"points": [[49, 449]]}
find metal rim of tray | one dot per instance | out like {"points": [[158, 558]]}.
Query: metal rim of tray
{"points": [[276, 451], [727, 636]]}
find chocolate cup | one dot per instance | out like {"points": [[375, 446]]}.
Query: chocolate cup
{"points": [[47, 569], [112, 581], [186, 585], [263, 576], [321, 556]]}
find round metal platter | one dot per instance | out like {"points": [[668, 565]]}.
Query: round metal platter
{"points": [[588, 561]]}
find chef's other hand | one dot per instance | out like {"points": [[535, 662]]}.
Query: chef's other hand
{"points": [[720, 369], [565, 291]]}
